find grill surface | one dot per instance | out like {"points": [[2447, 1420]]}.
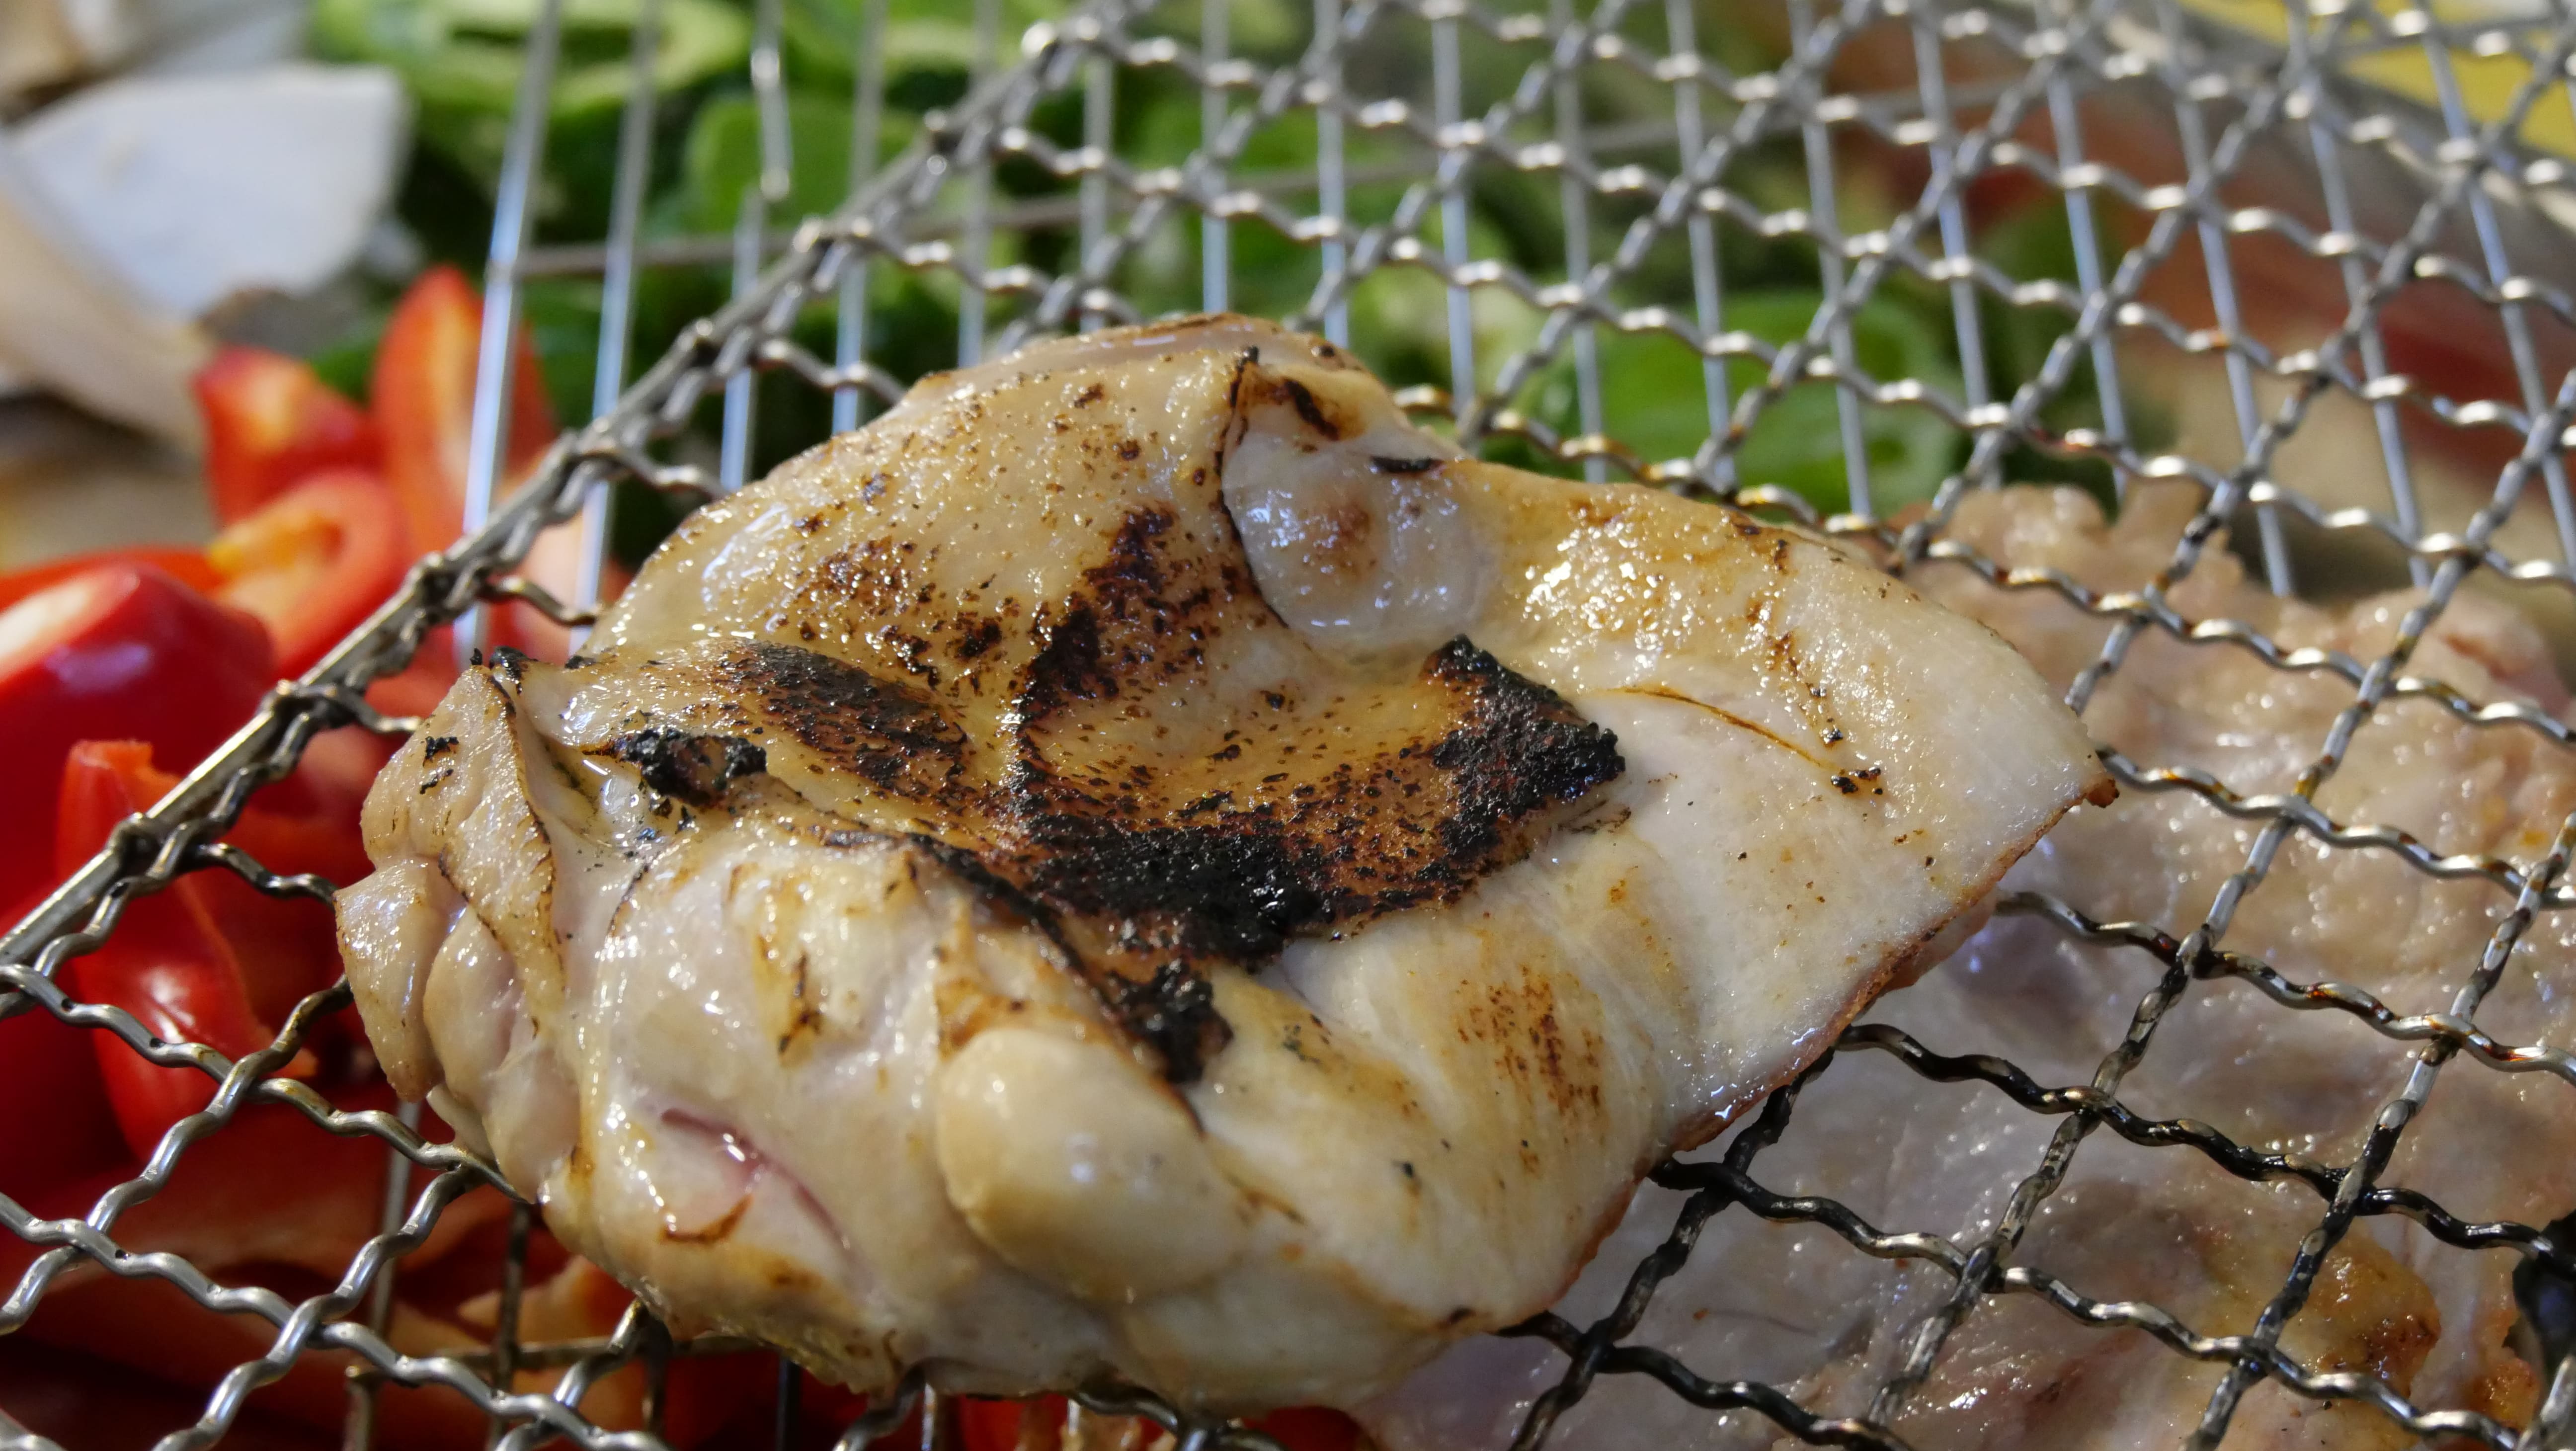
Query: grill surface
{"points": [[2375, 146]]}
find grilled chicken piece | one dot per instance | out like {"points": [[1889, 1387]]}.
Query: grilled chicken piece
{"points": [[1141, 862], [1799, 1308]]}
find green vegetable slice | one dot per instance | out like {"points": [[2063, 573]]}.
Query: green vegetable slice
{"points": [[462, 59], [722, 158], [1655, 400], [823, 36]]}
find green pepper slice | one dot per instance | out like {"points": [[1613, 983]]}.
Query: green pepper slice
{"points": [[463, 59]]}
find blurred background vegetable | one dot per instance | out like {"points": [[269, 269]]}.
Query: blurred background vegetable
{"points": [[458, 66]]}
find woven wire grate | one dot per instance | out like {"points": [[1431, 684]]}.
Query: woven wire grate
{"points": [[1023, 211]]}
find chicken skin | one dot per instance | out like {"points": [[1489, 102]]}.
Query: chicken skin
{"points": [[1141, 862]]}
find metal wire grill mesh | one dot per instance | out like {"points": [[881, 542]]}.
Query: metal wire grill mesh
{"points": [[1026, 212]]}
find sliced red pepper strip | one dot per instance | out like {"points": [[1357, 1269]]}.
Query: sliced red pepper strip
{"points": [[554, 564], [167, 962], [1008, 1425], [271, 422], [423, 397], [272, 1199], [313, 563], [119, 651], [180, 995], [286, 946], [723, 1401], [731, 1400], [55, 1123], [340, 765], [188, 566], [1309, 1428]]}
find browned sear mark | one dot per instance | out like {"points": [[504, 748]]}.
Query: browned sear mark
{"points": [[714, 1232], [1302, 399], [687, 766]]}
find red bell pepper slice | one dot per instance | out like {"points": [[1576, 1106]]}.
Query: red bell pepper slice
{"points": [[167, 962], [423, 397], [287, 946], [339, 765], [313, 563], [984, 1425], [180, 993], [55, 1124], [271, 1199], [1309, 1428], [121, 651], [271, 422], [188, 566]]}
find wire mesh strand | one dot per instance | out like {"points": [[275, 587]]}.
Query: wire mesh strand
{"points": [[938, 212]]}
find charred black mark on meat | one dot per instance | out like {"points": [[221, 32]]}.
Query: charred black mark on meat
{"points": [[1244, 362], [875, 729], [1385, 465], [686, 766], [1521, 751], [1076, 661], [1233, 888], [433, 747], [1231, 875], [1294, 1041], [1170, 1006], [2545, 1292], [1174, 1011], [975, 636], [1303, 400]]}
